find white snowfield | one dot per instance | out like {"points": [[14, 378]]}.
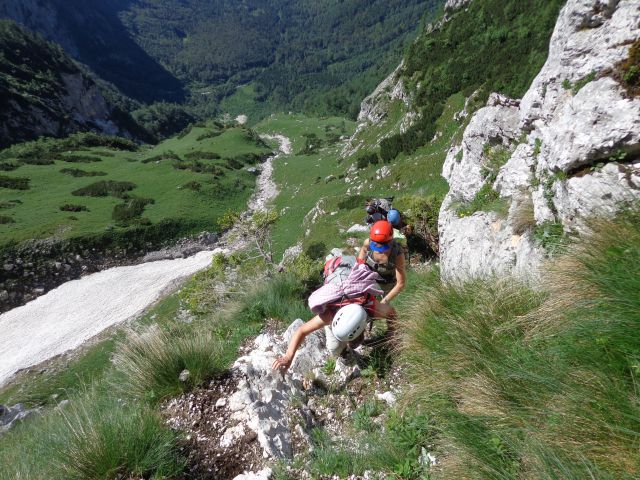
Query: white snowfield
{"points": [[68, 316]]}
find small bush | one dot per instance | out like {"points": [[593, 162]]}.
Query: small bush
{"points": [[193, 185], [422, 214], [350, 202], [486, 200], [38, 161], [80, 159], [186, 131], [198, 167], [151, 363], [77, 172], [14, 183], [169, 155], [46, 147], [5, 219], [9, 203], [201, 156], [307, 270], [69, 207], [368, 159], [312, 144], [228, 219], [550, 236], [8, 166], [89, 139], [105, 188], [210, 134], [131, 210], [233, 164], [316, 250], [494, 158]]}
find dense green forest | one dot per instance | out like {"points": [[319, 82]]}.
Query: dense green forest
{"points": [[321, 57]]}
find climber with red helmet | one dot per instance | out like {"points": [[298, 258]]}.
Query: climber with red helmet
{"points": [[384, 255]]}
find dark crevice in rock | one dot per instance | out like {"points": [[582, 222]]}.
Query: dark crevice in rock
{"points": [[625, 156]]}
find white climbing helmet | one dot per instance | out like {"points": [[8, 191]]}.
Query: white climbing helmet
{"points": [[349, 322]]}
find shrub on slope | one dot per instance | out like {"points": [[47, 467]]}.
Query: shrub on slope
{"points": [[151, 363]]}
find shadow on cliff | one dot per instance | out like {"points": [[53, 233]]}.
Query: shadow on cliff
{"points": [[91, 32]]}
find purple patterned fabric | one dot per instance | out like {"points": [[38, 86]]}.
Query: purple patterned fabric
{"points": [[361, 280]]}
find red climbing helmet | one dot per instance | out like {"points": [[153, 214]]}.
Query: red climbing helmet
{"points": [[381, 232]]}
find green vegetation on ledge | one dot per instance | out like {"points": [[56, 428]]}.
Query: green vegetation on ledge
{"points": [[491, 45]]}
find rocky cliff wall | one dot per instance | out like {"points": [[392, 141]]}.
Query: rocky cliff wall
{"points": [[43, 92], [571, 145]]}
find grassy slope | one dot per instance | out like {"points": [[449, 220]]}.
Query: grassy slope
{"points": [[39, 216], [302, 183]]}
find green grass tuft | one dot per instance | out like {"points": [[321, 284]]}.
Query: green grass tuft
{"points": [[92, 438], [526, 384], [150, 363]]}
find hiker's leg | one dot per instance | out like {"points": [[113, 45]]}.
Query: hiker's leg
{"points": [[386, 311], [334, 345]]}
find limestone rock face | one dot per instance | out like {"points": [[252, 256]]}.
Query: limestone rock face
{"points": [[573, 143], [262, 398], [375, 107], [453, 5], [372, 108], [495, 124]]}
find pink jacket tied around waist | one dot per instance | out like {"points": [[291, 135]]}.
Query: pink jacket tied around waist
{"points": [[360, 281]]}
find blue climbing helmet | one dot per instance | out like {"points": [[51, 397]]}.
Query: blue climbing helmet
{"points": [[394, 217]]}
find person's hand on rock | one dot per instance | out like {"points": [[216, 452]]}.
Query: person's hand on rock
{"points": [[283, 363]]}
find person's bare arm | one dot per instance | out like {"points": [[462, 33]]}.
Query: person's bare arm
{"points": [[401, 279], [299, 335], [363, 251]]}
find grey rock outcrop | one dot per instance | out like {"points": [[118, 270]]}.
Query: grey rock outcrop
{"points": [[453, 5], [375, 107], [573, 145], [262, 398], [9, 416]]}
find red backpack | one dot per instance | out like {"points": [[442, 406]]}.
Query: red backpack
{"points": [[338, 268]]}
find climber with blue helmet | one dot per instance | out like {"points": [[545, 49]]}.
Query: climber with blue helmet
{"points": [[394, 217]]}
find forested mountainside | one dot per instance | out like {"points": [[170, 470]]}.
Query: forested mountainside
{"points": [[43, 92], [319, 56], [322, 56], [91, 32]]}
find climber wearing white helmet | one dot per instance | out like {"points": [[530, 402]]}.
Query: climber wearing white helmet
{"points": [[344, 310], [347, 327]]}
